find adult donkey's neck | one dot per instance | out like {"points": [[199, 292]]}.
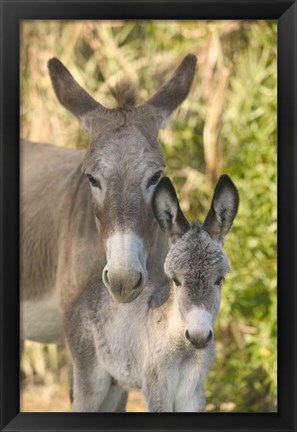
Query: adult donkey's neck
{"points": [[80, 249]]}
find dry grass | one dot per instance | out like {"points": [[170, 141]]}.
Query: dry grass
{"points": [[55, 398], [45, 388]]}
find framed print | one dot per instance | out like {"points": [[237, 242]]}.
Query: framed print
{"points": [[113, 251]]}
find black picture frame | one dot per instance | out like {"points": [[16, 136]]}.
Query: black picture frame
{"points": [[285, 11]]}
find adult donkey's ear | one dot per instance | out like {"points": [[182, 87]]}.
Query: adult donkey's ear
{"points": [[223, 209], [70, 94], [174, 91], [167, 210]]}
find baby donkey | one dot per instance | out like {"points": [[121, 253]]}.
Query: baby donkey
{"points": [[163, 342]]}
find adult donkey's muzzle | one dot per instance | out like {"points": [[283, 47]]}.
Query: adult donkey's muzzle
{"points": [[125, 274], [123, 286]]}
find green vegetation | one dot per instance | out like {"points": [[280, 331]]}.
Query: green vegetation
{"points": [[227, 124]]}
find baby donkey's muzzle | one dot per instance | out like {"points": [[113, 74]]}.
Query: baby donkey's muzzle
{"points": [[199, 342], [199, 328]]}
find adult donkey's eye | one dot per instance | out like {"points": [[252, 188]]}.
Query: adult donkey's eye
{"points": [[93, 181], [154, 180]]}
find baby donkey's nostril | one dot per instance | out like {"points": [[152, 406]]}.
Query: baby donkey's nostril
{"points": [[199, 342], [188, 336], [210, 336]]}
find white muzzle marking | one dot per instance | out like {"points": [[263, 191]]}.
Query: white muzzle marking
{"points": [[199, 324], [125, 273]]}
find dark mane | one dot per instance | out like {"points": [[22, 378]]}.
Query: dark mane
{"points": [[125, 94]]}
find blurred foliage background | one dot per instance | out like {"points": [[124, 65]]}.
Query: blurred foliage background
{"points": [[227, 124]]}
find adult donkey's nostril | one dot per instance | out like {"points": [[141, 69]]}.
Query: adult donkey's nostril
{"points": [[105, 277], [139, 283], [123, 283]]}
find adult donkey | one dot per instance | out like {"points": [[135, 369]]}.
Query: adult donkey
{"points": [[86, 216]]}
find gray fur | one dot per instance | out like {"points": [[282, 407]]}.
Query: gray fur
{"points": [[154, 343], [65, 223], [125, 94]]}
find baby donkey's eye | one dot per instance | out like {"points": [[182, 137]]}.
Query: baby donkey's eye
{"points": [[219, 281], [176, 281]]}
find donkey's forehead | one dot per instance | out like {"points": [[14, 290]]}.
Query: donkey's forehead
{"points": [[126, 146], [196, 250]]}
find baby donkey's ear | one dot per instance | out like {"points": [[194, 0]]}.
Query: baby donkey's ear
{"points": [[167, 210], [223, 209]]}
